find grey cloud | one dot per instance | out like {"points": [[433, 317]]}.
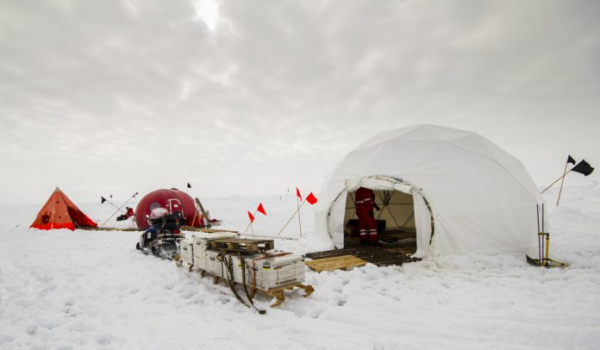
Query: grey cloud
{"points": [[139, 94]]}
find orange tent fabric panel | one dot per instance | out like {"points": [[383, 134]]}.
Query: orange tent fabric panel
{"points": [[60, 212]]}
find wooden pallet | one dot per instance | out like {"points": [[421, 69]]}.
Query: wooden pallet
{"points": [[243, 245], [343, 262], [380, 256], [204, 229], [109, 229]]}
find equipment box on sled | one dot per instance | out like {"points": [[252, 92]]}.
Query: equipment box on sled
{"points": [[251, 262]]}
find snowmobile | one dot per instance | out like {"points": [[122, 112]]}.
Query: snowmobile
{"points": [[162, 238]]}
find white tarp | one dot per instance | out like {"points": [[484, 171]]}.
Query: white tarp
{"points": [[481, 199]]}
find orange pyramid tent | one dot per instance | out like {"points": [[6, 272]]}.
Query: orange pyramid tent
{"points": [[60, 212]]}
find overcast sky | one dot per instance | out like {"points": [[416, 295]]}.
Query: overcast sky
{"points": [[255, 97]]}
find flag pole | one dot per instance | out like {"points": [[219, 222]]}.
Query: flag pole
{"points": [[299, 220], [561, 184], [290, 220], [557, 180], [114, 206], [250, 224], [130, 198]]}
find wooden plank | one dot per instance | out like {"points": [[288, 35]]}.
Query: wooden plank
{"points": [[207, 230], [243, 245], [109, 229], [380, 256], [343, 262]]}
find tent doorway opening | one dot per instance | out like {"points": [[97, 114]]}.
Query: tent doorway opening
{"points": [[395, 221]]}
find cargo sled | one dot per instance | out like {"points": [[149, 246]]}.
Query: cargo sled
{"points": [[251, 265]]}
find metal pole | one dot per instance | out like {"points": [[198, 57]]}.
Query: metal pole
{"points": [[540, 238], [299, 220], [561, 184], [543, 232], [130, 198], [250, 224], [557, 180], [287, 223], [114, 206]]}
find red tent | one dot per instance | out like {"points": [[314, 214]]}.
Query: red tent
{"points": [[60, 212], [173, 200]]}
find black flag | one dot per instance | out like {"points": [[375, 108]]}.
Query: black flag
{"points": [[571, 160], [103, 199], [189, 186], [583, 168]]}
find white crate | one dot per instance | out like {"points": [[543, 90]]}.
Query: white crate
{"points": [[262, 272], [212, 264], [279, 272], [185, 251], [199, 242]]}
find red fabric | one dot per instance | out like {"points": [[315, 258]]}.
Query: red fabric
{"points": [[311, 199], [198, 221], [261, 209], [298, 194], [251, 217], [59, 212], [129, 213], [364, 199], [50, 226], [173, 200]]}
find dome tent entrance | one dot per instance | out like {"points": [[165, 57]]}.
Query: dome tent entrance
{"points": [[403, 209], [468, 195]]}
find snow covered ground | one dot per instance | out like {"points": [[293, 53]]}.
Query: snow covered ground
{"points": [[93, 290]]}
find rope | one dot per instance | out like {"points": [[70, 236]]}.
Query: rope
{"points": [[243, 266], [229, 274], [229, 271]]}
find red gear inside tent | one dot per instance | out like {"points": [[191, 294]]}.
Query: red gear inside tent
{"points": [[174, 201]]}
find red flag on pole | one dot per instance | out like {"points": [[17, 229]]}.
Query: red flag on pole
{"points": [[298, 194], [261, 209], [311, 199], [251, 217]]}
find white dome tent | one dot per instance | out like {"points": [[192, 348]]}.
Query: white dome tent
{"points": [[454, 190]]}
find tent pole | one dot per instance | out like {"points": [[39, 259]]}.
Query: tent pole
{"points": [[407, 220], [354, 205], [384, 202]]}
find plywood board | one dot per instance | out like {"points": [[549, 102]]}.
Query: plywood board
{"points": [[343, 262]]}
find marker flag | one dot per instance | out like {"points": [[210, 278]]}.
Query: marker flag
{"points": [[311, 199]]}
